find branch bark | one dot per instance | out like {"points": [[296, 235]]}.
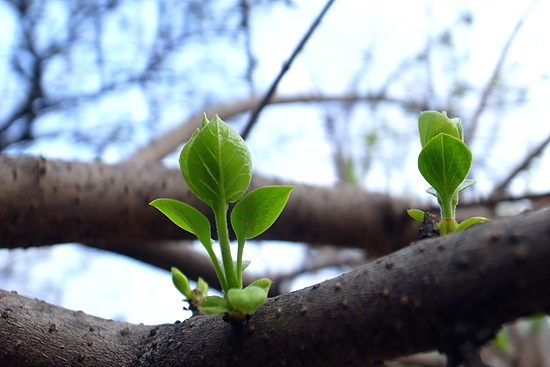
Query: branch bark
{"points": [[45, 202], [413, 300]]}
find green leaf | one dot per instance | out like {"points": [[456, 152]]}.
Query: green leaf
{"points": [[258, 210], [244, 265], [214, 305], [216, 163], [433, 123], [468, 222], [202, 286], [263, 283], [444, 162], [254, 214], [249, 299], [186, 217], [181, 283], [502, 342], [458, 124], [465, 184], [416, 214], [183, 159], [430, 190]]}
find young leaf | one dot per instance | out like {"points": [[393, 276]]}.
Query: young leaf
{"points": [[183, 160], [416, 214], [202, 286], [444, 162], [217, 165], [181, 283], [433, 123], [244, 265], [258, 210], [186, 217], [468, 222], [502, 342], [263, 283], [249, 299], [465, 184], [214, 305], [430, 190]]}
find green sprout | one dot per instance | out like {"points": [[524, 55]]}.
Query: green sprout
{"points": [[444, 162], [217, 167]]}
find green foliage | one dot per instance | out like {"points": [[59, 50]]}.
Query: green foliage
{"points": [[217, 167], [216, 163], [502, 342], [416, 214], [247, 300], [186, 217], [255, 213], [444, 162], [181, 283]]}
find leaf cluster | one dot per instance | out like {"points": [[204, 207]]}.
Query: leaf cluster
{"points": [[217, 166], [444, 162]]}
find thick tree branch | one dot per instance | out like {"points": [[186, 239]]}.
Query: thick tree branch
{"points": [[413, 300], [45, 202]]}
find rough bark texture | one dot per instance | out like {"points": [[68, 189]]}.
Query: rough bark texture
{"points": [[46, 202], [430, 295]]}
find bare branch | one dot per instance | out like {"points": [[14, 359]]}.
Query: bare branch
{"points": [[489, 87], [168, 142], [285, 68], [499, 189]]}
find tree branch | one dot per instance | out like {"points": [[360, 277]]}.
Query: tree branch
{"points": [[168, 142], [499, 190], [491, 83], [413, 300], [286, 66], [47, 202]]}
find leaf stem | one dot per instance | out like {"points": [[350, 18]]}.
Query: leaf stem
{"points": [[217, 267], [220, 215], [447, 210], [240, 262]]}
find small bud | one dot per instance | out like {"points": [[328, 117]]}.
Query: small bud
{"points": [[433, 123], [181, 283], [202, 286]]}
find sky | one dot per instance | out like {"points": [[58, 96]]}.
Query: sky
{"points": [[353, 34]]}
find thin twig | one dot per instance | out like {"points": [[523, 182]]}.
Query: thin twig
{"points": [[284, 69], [489, 87], [498, 191]]}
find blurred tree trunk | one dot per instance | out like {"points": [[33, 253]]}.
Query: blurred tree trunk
{"points": [[46, 202]]}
